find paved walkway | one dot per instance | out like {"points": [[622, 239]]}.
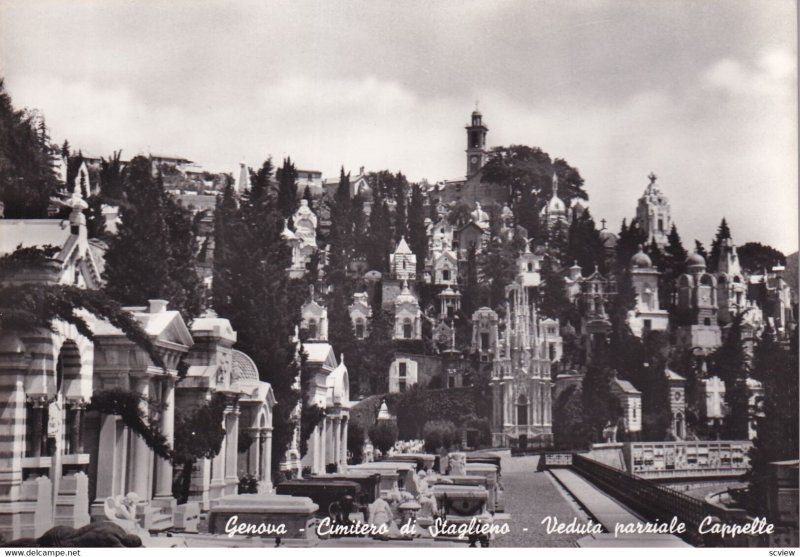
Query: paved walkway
{"points": [[600, 506], [529, 497]]}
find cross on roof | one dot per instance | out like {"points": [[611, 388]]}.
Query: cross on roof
{"points": [[603, 222], [652, 177]]}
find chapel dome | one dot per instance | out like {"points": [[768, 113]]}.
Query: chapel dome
{"points": [[695, 260], [641, 260]]}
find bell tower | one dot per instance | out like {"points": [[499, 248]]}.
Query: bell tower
{"points": [[476, 142]]}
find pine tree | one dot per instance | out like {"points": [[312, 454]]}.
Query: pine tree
{"points": [[287, 188], [111, 178], [701, 250], [723, 233]]}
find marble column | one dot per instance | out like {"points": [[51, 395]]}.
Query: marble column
{"points": [[164, 466], [343, 454], [266, 460], [232, 447], [218, 464], [140, 464], [254, 453], [76, 431], [337, 424]]}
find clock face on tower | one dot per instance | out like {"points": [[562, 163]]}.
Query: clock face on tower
{"points": [[473, 159]]}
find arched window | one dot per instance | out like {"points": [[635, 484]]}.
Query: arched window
{"points": [[408, 328], [359, 327], [312, 328]]}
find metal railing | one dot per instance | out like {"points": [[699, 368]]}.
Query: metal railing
{"points": [[644, 496]]}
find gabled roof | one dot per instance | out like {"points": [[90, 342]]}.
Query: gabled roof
{"points": [[672, 376], [320, 353], [626, 387], [402, 247], [165, 325], [216, 325]]}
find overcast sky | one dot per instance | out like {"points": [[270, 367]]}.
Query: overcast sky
{"points": [[703, 93]]}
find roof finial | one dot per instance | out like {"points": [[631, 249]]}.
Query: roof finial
{"points": [[603, 222], [555, 184], [652, 178], [476, 106]]}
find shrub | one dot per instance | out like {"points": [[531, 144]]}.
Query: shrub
{"points": [[439, 434], [355, 441], [248, 483], [383, 435]]}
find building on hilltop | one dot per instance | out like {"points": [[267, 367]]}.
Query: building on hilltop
{"points": [[555, 210], [360, 314], [407, 315], [403, 262], [471, 189], [647, 315], [653, 213]]}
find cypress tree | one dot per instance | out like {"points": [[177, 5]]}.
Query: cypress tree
{"points": [[308, 197], [418, 235], [251, 260], [137, 260], [153, 253], [27, 176], [400, 216], [472, 292], [287, 188], [729, 363]]}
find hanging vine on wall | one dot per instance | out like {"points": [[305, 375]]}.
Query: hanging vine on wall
{"points": [[128, 406], [31, 306], [310, 414], [198, 435]]}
